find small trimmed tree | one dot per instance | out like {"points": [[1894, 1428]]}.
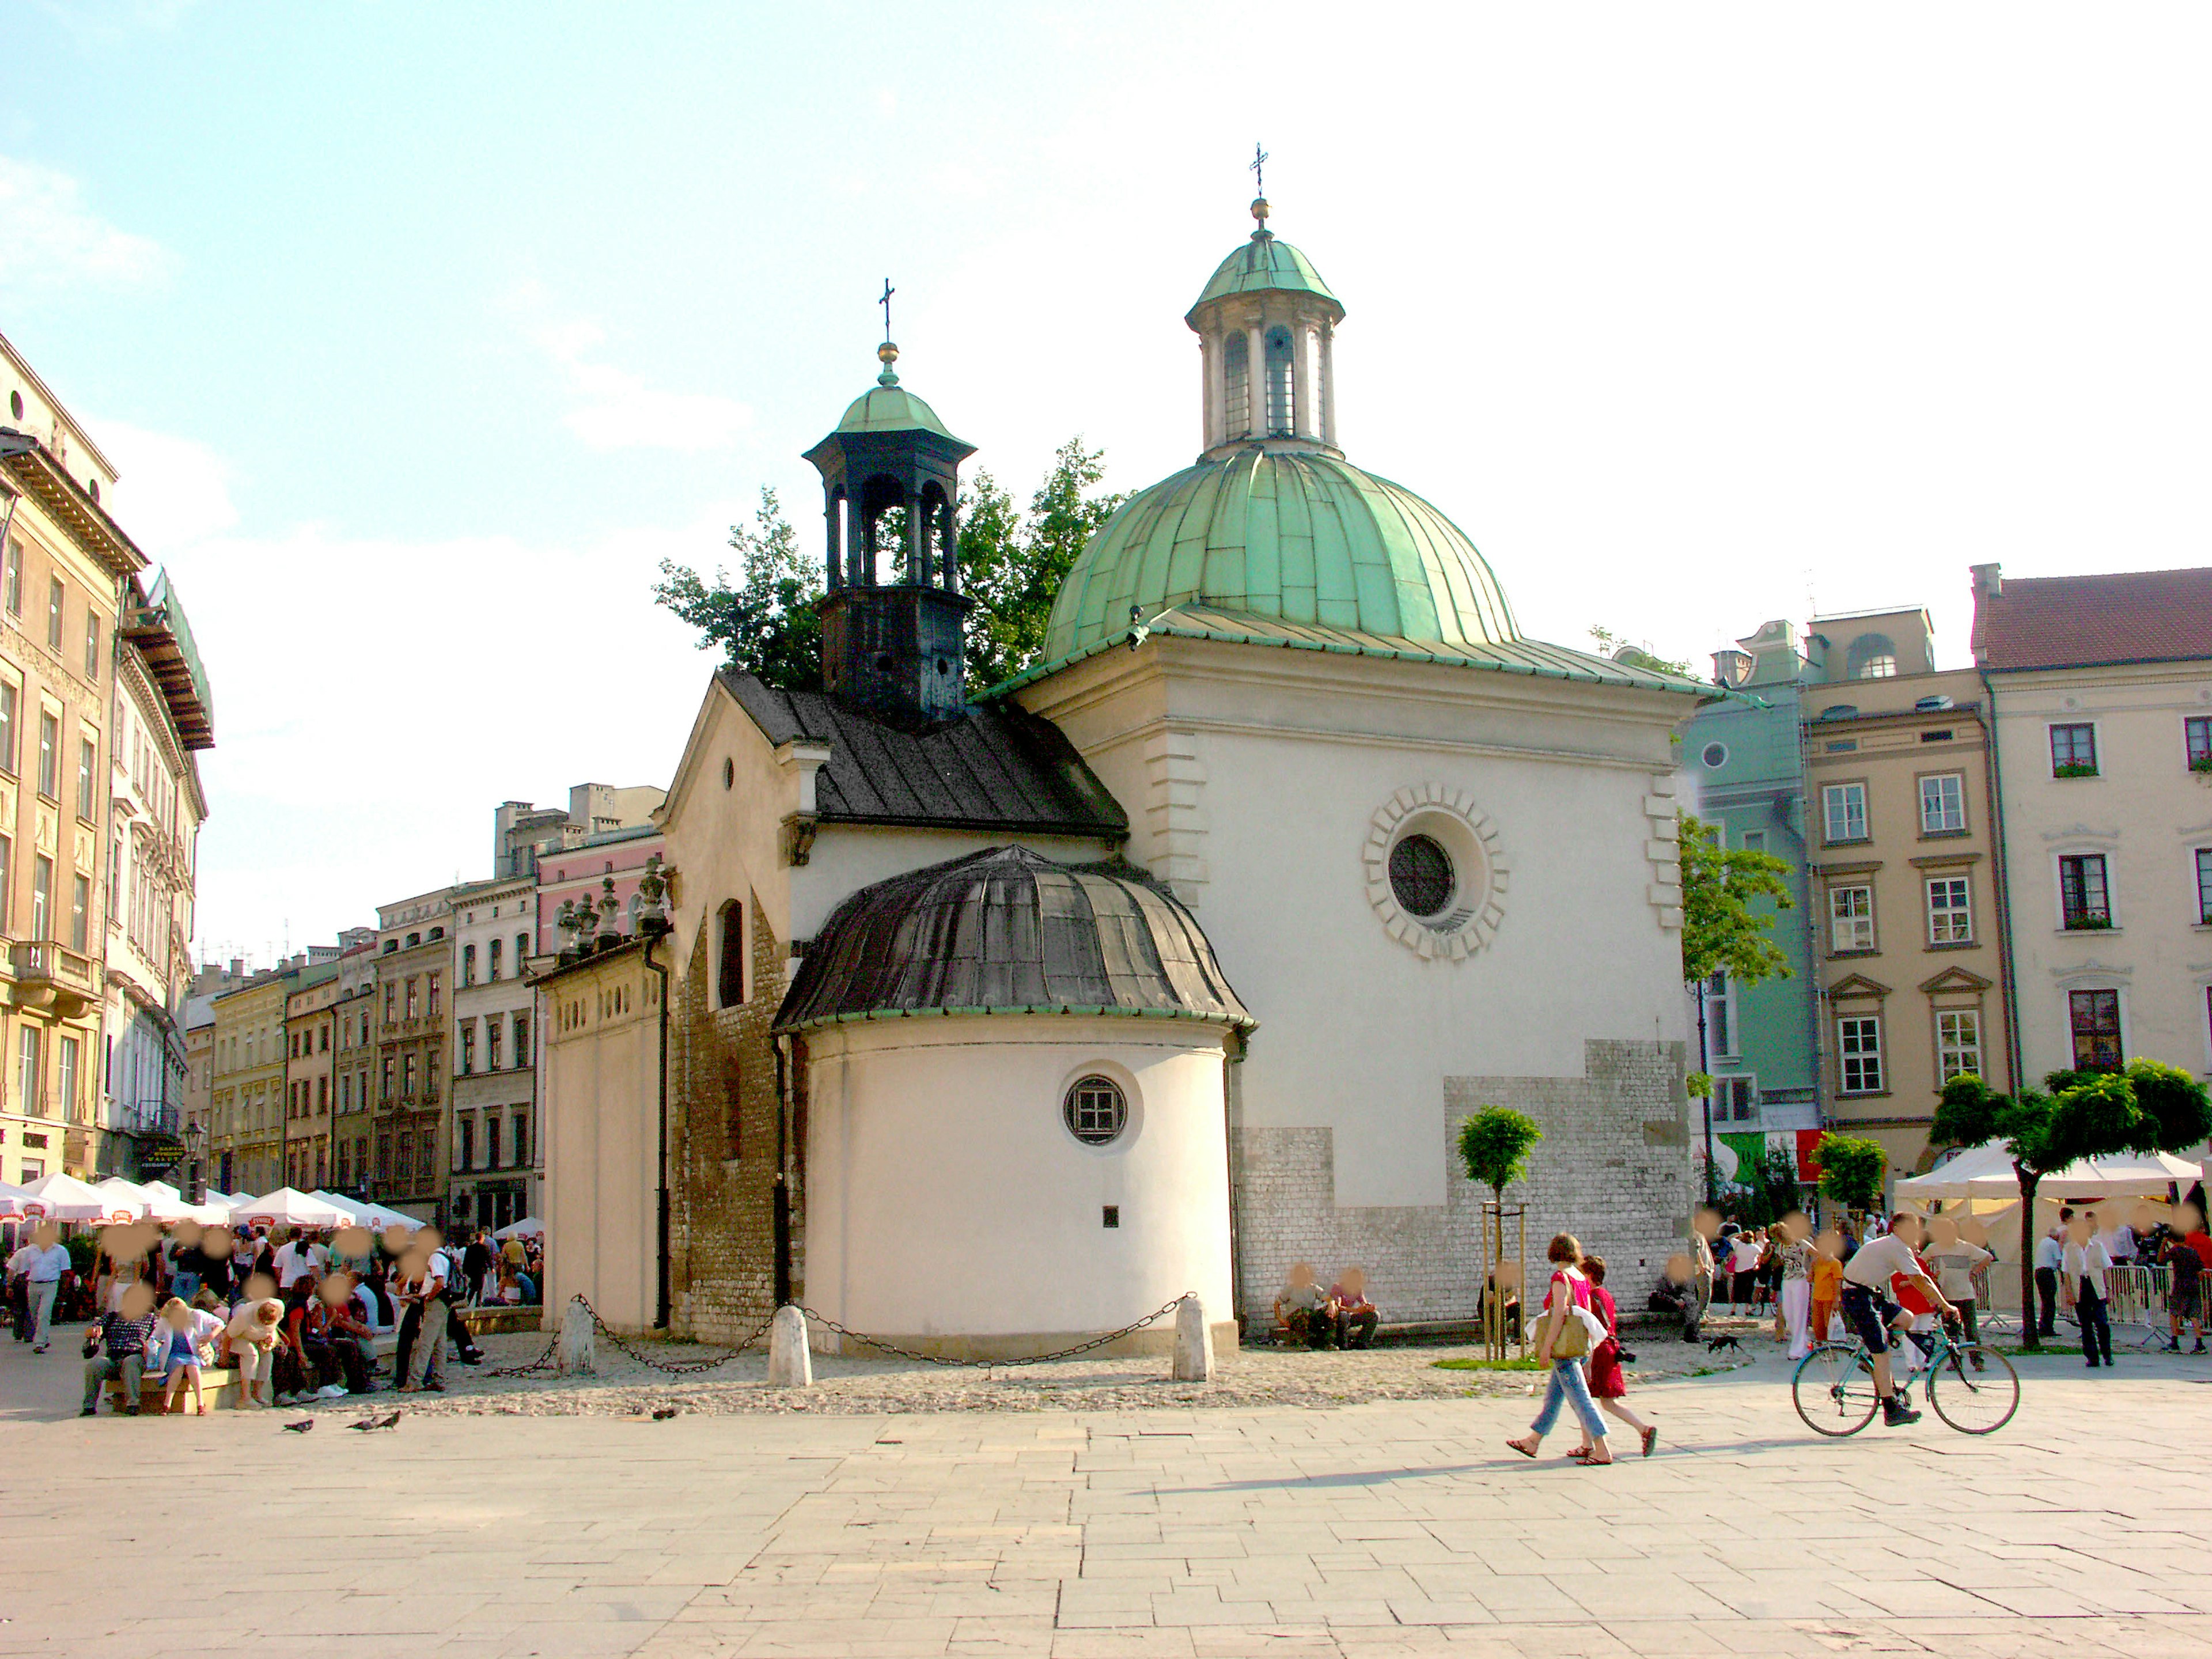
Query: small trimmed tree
{"points": [[1851, 1170], [2147, 1107], [1494, 1145]]}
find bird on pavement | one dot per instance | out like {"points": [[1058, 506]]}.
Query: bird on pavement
{"points": [[371, 1422], [299, 1427], [664, 1414]]}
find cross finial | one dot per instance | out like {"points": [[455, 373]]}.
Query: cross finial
{"points": [[885, 302], [1259, 178]]}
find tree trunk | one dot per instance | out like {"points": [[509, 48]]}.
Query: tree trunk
{"points": [[2028, 1324]]}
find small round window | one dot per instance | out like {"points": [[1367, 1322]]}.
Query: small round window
{"points": [[1421, 876], [1715, 756], [1095, 1110]]}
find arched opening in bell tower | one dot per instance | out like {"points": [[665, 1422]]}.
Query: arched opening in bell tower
{"points": [[1236, 380], [1282, 402]]}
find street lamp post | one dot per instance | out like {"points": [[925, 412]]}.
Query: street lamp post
{"points": [[195, 1148]]}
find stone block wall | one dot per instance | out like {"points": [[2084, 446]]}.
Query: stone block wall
{"points": [[1612, 1169], [722, 1198]]}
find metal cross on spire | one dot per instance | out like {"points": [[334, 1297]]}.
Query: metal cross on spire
{"points": [[1259, 178], [885, 302]]}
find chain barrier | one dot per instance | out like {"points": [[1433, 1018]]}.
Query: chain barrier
{"points": [[545, 1362]]}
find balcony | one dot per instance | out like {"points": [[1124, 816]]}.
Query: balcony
{"points": [[48, 976]]}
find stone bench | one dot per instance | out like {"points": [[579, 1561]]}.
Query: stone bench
{"points": [[498, 1317], [218, 1387]]}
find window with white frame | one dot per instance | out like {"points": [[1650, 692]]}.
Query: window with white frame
{"points": [[1844, 805], [1950, 913], [1943, 804], [2197, 738], [1859, 1053], [2205, 886], [1736, 1100], [1720, 1016], [1850, 918], [1958, 1043]]}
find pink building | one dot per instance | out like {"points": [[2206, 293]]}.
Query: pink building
{"points": [[578, 872]]}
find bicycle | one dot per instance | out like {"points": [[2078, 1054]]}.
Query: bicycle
{"points": [[1972, 1387]]}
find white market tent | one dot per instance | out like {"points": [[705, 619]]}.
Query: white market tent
{"points": [[64, 1198], [345, 1206], [377, 1216], [1986, 1172], [287, 1206], [11, 1201], [529, 1227], [126, 1195]]}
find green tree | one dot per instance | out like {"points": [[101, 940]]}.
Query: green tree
{"points": [[1608, 642], [766, 622], [1851, 1170], [1011, 564], [1494, 1145], [1721, 932], [2147, 1108]]}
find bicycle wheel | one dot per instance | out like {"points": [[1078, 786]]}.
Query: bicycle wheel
{"points": [[1833, 1389], [1975, 1389]]}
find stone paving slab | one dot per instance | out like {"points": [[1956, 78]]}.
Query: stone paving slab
{"points": [[1393, 1528]]}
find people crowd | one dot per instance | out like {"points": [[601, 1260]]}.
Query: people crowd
{"points": [[296, 1314]]}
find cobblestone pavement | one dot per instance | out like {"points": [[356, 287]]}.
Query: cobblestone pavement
{"points": [[1391, 1527]]}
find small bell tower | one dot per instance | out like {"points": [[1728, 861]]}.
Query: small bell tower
{"points": [[891, 620]]}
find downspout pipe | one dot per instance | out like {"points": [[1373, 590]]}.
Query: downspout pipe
{"points": [[781, 1197], [2001, 873], [661, 1302]]}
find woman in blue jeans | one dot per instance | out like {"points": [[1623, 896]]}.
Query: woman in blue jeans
{"points": [[1568, 1384]]}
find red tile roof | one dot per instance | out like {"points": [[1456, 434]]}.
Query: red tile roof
{"points": [[2066, 622]]}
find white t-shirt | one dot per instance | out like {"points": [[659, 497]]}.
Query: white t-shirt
{"points": [[298, 1261], [1877, 1260], [1955, 1266], [48, 1264]]}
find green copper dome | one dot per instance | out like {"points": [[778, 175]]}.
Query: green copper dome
{"points": [[1300, 536], [1262, 263], [891, 409]]}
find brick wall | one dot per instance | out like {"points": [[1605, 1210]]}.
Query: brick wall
{"points": [[1612, 1169], [722, 1198]]}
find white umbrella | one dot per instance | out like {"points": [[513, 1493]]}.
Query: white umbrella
{"points": [[124, 1194], [287, 1206], [60, 1197], [376, 1216], [529, 1227], [11, 1199], [1986, 1171], [346, 1206]]}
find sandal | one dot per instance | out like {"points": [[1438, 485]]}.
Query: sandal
{"points": [[1651, 1439], [1524, 1451]]}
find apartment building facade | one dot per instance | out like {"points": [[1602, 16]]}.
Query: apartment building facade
{"points": [[246, 1117], [163, 715], [493, 1140], [64, 567], [353, 1051], [310, 1063], [411, 1113], [2100, 689], [1906, 903]]}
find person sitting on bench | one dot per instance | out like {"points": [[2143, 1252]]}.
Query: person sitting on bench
{"points": [[1305, 1309], [1356, 1316]]}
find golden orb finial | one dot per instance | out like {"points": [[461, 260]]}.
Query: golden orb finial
{"points": [[887, 354]]}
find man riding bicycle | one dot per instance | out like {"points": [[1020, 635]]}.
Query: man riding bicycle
{"points": [[1867, 1310]]}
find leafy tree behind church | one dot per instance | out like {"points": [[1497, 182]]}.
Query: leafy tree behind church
{"points": [[1721, 932], [1011, 564]]}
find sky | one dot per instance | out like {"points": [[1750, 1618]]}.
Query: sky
{"points": [[420, 334]]}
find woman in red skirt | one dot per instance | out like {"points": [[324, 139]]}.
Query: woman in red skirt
{"points": [[1608, 1385]]}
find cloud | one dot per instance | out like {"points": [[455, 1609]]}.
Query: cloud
{"points": [[616, 408], [171, 491], [50, 241]]}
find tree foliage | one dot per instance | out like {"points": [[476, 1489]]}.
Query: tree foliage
{"points": [[1011, 563], [1494, 1145], [1721, 932], [1851, 1170], [1609, 643], [765, 623], [2147, 1107]]}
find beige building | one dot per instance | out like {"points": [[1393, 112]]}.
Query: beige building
{"points": [[414, 977], [64, 567], [494, 1141], [2102, 692], [246, 1135], [353, 1051], [198, 1102], [1906, 917], [310, 1030]]}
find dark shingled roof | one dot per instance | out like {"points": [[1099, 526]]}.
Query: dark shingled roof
{"points": [[2066, 622], [1007, 931], [996, 769]]}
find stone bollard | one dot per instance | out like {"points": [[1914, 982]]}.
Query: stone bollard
{"points": [[790, 1361], [1193, 1343], [578, 1348]]}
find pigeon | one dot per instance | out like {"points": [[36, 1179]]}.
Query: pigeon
{"points": [[299, 1427], [365, 1423], [664, 1414]]}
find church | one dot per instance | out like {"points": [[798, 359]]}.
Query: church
{"points": [[986, 1023]]}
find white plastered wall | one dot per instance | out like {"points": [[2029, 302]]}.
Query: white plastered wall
{"points": [[602, 1132]]}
